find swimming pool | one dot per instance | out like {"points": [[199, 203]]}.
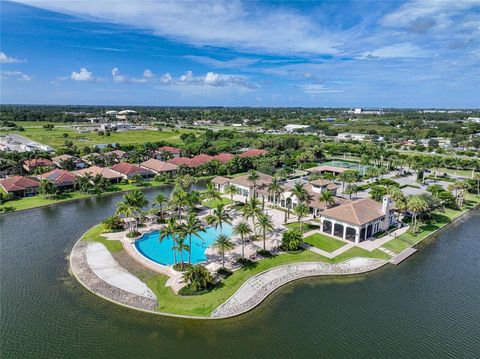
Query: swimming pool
{"points": [[161, 252]]}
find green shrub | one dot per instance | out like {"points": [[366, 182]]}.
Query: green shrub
{"points": [[292, 239]]}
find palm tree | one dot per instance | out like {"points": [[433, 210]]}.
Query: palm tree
{"points": [[219, 217], [193, 199], [223, 244], [253, 177], [170, 229], [242, 229], [178, 199], [211, 194], [230, 190], [160, 199], [265, 224], [128, 211], [351, 189], [136, 198], [274, 188], [300, 192], [327, 197], [180, 246], [251, 210], [416, 205], [190, 228], [301, 210], [46, 188]]}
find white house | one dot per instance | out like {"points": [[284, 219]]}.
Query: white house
{"points": [[359, 220]]}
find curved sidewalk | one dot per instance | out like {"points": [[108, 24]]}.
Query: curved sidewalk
{"points": [[257, 288], [93, 281]]}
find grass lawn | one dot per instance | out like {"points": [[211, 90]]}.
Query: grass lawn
{"points": [[439, 220], [203, 305], [215, 203], [55, 137], [94, 236], [39, 201], [306, 226], [324, 242]]}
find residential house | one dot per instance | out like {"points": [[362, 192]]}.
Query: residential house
{"points": [[117, 155], [60, 161], [160, 167], [128, 171], [35, 163], [62, 179], [175, 152], [20, 186], [106, 172]]}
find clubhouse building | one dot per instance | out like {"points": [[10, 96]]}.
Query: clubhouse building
{"points": [[354, 221]]}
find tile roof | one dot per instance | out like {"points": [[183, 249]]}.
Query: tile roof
{"points": [[94, 170], [18, 183], [158, 166], [264, 180], [38, 162], [180, 161], [254, 152], [199, 160], [128, 169], [359, 212], [117, 153], [223, 157], [62, 158], [172, 150], [220, 180], [59, 177]]}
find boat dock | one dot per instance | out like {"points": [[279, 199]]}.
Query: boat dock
{"points": [[402, 256]]}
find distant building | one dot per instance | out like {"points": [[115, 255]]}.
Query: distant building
{"points": [[17, 143], [474, 119], [349, 136], [293, 127]]}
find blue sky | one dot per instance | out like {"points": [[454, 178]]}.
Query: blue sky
{"points": [[234, 53]]}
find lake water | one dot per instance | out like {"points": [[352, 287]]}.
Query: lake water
{"points": [[427, 307]]}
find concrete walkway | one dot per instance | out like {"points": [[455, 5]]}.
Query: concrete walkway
{"points": [[257, 288], [106, 267], [80, 267]]}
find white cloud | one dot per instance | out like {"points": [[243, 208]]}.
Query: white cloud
{"points": [[5, 59], [118, 77], [221, 23], [148, 74], [237, 62], [318, 89], [403, 50], [18, 75], [440, 11], [82, 75]]}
